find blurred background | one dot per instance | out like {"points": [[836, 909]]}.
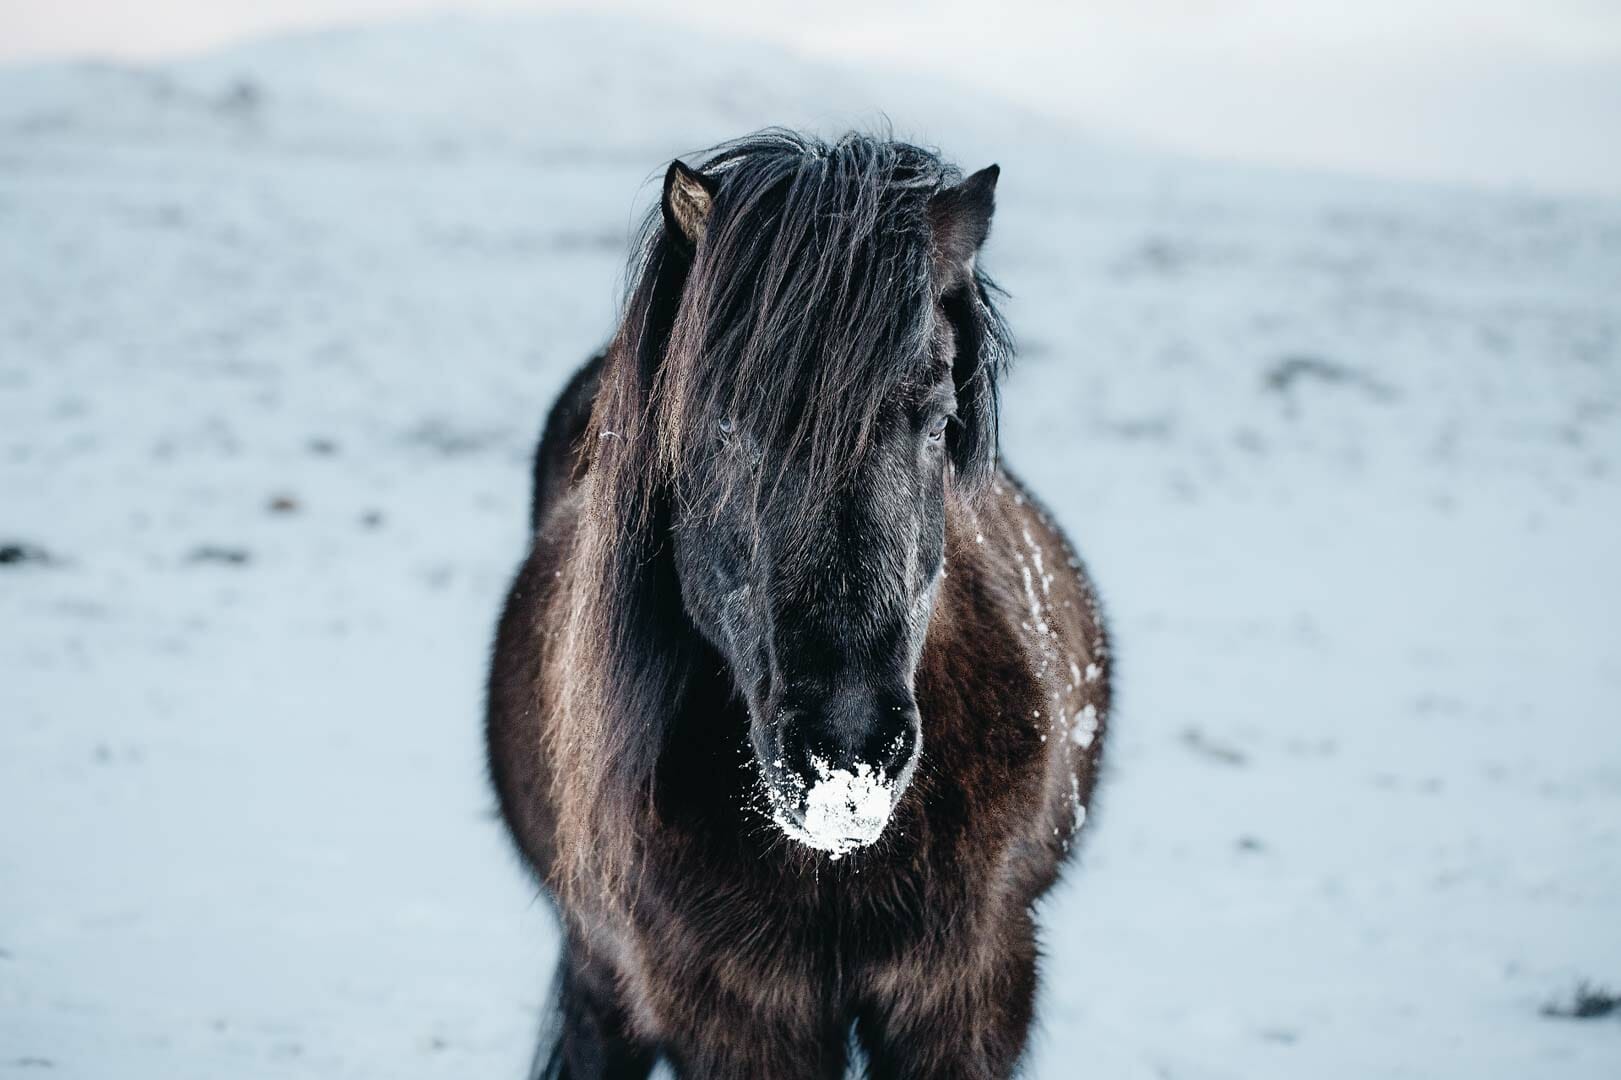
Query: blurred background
{"points": [[1319, 313]]}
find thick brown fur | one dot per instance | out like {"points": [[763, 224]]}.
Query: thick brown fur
{"points": [[696, 931]]}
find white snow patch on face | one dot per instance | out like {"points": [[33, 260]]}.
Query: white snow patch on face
{"points": [[844, 810]]}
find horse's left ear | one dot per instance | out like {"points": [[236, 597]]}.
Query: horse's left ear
{"points": [[689, 195], [960, 218]]}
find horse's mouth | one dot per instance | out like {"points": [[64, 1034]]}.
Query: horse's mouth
{"points": [[839, 811]]}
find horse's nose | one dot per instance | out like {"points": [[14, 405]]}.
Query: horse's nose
{"points": [[855, 731]]}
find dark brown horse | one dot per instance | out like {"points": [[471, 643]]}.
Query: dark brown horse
{"points": [[798, 699]]}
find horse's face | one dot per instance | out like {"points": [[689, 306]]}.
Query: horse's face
{"points": [[820, 604], [816, 582]]}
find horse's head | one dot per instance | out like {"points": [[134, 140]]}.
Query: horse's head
{"points": [[829, 376]]}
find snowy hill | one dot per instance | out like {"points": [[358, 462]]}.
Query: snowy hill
{"points": [[277, 329], [596, 88]]}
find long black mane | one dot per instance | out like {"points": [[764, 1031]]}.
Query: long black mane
{"points": [[813, 293]]}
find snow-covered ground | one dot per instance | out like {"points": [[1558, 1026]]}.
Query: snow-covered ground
{"points": [[277, 329]]}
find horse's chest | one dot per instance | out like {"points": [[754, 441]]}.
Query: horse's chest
{"points": [[811, 924], [796, 958]]}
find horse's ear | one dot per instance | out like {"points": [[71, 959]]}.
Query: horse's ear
{"points": [[688, 197], [960, 218]]}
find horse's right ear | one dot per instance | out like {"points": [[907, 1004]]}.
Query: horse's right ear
{"points": [[688, 197], [960, 219]]}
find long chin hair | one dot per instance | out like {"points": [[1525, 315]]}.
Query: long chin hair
{"points": [[807, 301]]}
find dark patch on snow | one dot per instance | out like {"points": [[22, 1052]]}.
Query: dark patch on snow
{"points": [[1589, 1002], [17, 552], [1438, 704], [1291, 371], [104, 754], [1250, 441], [242, 98], [283, 503], [446, 438], [219, 555], [1157, 428], [1168, 257], [588, 240], [1280, 1036], [1203, 745]]}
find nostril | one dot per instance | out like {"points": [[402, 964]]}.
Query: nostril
{"points": [[872, 732], [884, 743], [894, 740]]}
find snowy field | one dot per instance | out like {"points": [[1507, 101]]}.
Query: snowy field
{"points": [[278, 326]]}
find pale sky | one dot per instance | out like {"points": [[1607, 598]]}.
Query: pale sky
{"points": [[1492, 91]]}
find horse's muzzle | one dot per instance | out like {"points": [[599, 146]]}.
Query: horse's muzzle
{"points": [[838, 773]]}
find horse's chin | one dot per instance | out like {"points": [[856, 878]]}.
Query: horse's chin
{"points": [[840, 811]]}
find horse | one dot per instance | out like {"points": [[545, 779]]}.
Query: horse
{"points": [[797, 702]]}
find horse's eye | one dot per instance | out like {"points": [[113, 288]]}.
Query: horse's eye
{"points": [[937, 427], [726, 427]]}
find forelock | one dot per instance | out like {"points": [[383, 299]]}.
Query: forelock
{"points": [[809, 301]]}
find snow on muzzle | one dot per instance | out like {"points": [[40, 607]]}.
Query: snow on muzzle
{"points": [[835, 801]]}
